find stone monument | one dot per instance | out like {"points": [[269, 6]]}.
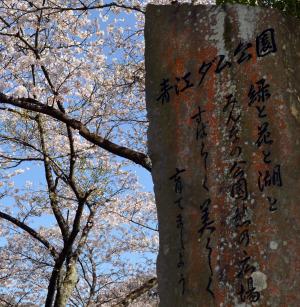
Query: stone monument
{"points": [[223, 102]]}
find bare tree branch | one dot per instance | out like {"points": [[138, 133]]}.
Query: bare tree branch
{"points": [[31, 231], [52, 186], [89, 7], [148, 285], [34, 105]]}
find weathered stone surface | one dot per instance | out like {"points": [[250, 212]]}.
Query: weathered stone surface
{"points": [[223, 101]]}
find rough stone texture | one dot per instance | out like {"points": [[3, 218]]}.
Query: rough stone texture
{"points": [[230, 222]]}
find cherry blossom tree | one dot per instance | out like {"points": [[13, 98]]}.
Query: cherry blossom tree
{"points": [[97, 218], [80, 231]]}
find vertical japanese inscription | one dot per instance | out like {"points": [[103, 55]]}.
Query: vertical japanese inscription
{"points": [[207, 227], [265, 45], [237, 186], [178, 188], [259, 96], [238, 189]]}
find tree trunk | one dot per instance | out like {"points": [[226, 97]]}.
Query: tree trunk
{"points": [[67, 285], [52, 285]]}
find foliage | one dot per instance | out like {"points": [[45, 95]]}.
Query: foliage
{"points": [[75, 225], [290, 7]]}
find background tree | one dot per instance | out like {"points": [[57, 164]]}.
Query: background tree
{"points": [[78, 226], [74, 253]]}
